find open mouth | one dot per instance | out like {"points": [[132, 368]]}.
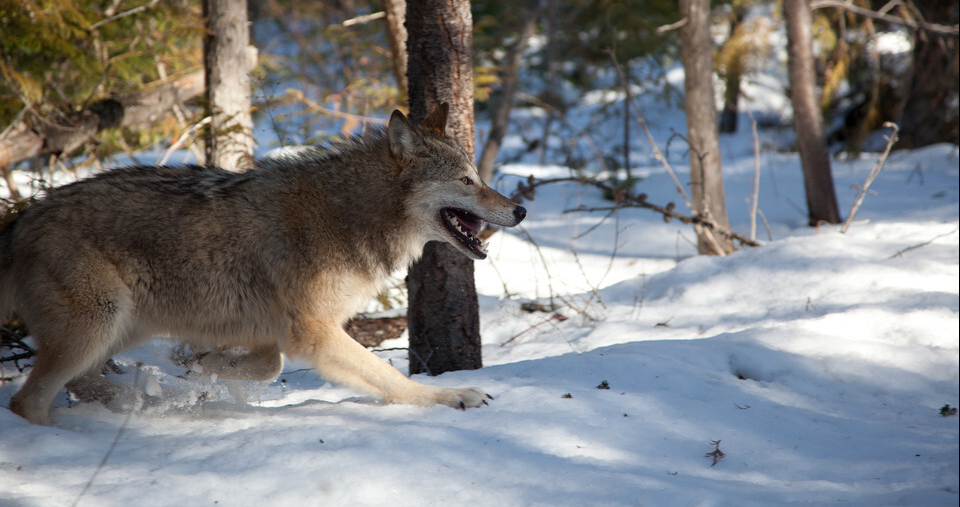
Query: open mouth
{"points": [[464, 226]]}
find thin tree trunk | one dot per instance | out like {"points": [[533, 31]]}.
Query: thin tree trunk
{"points": [[731, 99], [444, 319], [397, 36], [732, 76], [706, 176], [508, 90], [807, 118], [229, 139]]}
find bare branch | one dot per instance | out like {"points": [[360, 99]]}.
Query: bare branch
{"points": [[123, 14], [942, 30], [525, 190], [873, 174], [676, 25], [925, 243], [656, 151], [315, 106], [364, 19], [756, 178]]}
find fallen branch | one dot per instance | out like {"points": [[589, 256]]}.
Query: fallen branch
{"points": [[12, 339], [555, 317], [623, 198], [925, 243], [23, 140]]}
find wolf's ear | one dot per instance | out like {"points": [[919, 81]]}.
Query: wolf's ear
{"points": [[437, 120], [400, 134]]}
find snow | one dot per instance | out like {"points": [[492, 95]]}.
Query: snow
{"points": [[819, 361]]}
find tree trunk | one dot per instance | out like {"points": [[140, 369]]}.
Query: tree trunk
{"points": [[706, 176], [731, 99], [930, 113], [807, 118], [397, 36], [444, 319], [733, 72], [229, 138], [508, 89]]}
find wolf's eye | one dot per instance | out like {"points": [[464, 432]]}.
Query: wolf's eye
{"points": [[466, 181]]}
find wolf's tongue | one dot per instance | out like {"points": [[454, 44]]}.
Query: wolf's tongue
{"points": [[468, 221]]}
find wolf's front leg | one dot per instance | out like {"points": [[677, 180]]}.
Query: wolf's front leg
{"points": [[338, 358]]}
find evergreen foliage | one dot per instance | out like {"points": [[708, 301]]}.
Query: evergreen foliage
{"points": [[57, 56]]}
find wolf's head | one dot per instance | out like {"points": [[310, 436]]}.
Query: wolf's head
{"points": [[445, 194]]}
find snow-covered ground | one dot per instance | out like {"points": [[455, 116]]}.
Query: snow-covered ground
{"points": [[819, 362]]}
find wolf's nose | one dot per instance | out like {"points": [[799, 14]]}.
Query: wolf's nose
{"points": [[520, 212]]}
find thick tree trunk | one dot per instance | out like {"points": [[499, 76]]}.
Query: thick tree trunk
{"points": [[706, 176], [508, 90], [807, 118], [229, 139], [444, 319]]}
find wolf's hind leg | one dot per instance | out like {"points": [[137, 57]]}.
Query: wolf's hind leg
{"points": [[80, 318], [338, 358], [74, 362]]}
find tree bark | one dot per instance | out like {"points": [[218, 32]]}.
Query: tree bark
{"points": [[396, 11], [733, 73], [807, 118], [229, 138], [508, 90], [443, 315], [706, 176], [930, 113]]}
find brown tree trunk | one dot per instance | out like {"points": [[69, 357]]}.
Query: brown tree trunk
{"points": [[229, 139], [397, 36], [733, 72], [706, 177], [444, 319], [508, 89], [930, 114], [807, 118]]}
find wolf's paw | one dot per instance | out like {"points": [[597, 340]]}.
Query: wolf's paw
{"points": [[469, 397]]}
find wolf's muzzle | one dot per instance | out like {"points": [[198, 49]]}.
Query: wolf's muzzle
{"points": [[520, 213]]}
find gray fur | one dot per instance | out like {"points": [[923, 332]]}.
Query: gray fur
{"points": [[273, 260]]}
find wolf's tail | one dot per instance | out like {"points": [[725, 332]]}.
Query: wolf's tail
{"points": [[7, 286]]}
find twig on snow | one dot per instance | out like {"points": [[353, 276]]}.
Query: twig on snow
{"points": [[873, 174], [925, 243], [717, 454]]}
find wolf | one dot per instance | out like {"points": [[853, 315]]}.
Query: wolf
{"points": [[244, 267]]}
